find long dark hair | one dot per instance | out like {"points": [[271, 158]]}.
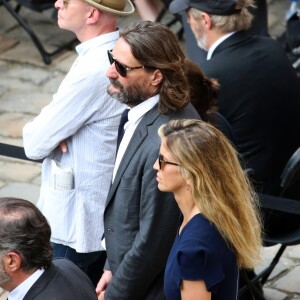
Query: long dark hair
{"points": [[155, 46], [203, 90]]}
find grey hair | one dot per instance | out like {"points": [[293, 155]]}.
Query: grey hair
{"points": [[235, 22]]}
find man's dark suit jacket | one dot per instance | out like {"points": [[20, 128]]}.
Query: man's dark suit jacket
{"points": [[62, 281], [260, 97], [140, 221]]}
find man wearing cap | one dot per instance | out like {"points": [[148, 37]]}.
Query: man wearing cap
{"points": [[259, 89], [259, 27], [84, 119]]}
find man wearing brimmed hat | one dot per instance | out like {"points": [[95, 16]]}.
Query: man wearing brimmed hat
{"points": [[259, 89], [84, 120], [120, 7]]}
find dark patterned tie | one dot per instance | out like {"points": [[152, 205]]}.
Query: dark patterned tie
{"points": [[123, 120]]}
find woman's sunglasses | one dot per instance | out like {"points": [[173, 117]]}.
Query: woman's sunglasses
{"points": [[121, 69], [162, 162]]}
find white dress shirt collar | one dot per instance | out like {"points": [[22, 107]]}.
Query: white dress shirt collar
{"points": [[216, 44], [137, 112], [96, 41], [21, 290]]}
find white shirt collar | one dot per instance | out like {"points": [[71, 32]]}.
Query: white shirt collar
{"points": [[216, 44], [21, 290], [96, 42], [140, 110]]}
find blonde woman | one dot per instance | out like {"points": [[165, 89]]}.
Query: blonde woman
{"points": [[220, 230]]}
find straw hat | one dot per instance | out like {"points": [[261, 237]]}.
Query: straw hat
{"points": [[117, 7]]}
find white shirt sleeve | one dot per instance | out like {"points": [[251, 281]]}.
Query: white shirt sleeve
{"points": [[72, 106]]}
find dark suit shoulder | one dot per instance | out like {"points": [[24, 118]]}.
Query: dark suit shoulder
{"points": [[244, 53], [63, 280], [153, 123], [188, 112]]}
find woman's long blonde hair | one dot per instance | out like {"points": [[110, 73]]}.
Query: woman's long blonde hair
{"points": [[220, 188]]}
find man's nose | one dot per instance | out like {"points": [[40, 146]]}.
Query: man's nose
{"points": [[112, 72]]}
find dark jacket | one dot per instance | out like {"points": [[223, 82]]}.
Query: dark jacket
{"points": [[140, 222], [260, 97], [63, 280]]}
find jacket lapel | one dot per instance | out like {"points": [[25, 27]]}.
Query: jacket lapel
{"points": [[137, 139]]}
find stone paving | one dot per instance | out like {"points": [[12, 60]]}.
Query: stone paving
{"points": [[27, 84]]}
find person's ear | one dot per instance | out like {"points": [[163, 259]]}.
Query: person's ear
{"points": [[93, 15], [12, 262], [206, 20], [156, 78], [187, 182], [186, 178]]}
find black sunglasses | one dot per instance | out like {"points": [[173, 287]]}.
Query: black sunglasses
{"points": [[162, 162], [121, 69]]}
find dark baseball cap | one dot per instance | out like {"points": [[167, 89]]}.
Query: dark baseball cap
{"points": [[214, 7]]}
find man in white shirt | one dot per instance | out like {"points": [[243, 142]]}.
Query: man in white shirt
{"points": [[26, 268], [75, 182]]}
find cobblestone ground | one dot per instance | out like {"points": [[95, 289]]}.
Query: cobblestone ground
{"points": [[26, 85]]}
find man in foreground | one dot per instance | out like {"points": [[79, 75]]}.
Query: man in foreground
{"points": [[26, 269]]}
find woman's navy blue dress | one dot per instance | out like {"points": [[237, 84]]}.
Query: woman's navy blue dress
{"points": [[201, 253]]}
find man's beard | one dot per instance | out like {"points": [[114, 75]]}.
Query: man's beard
{"points": [[133, 96], [201, 42], [201, 37]]}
